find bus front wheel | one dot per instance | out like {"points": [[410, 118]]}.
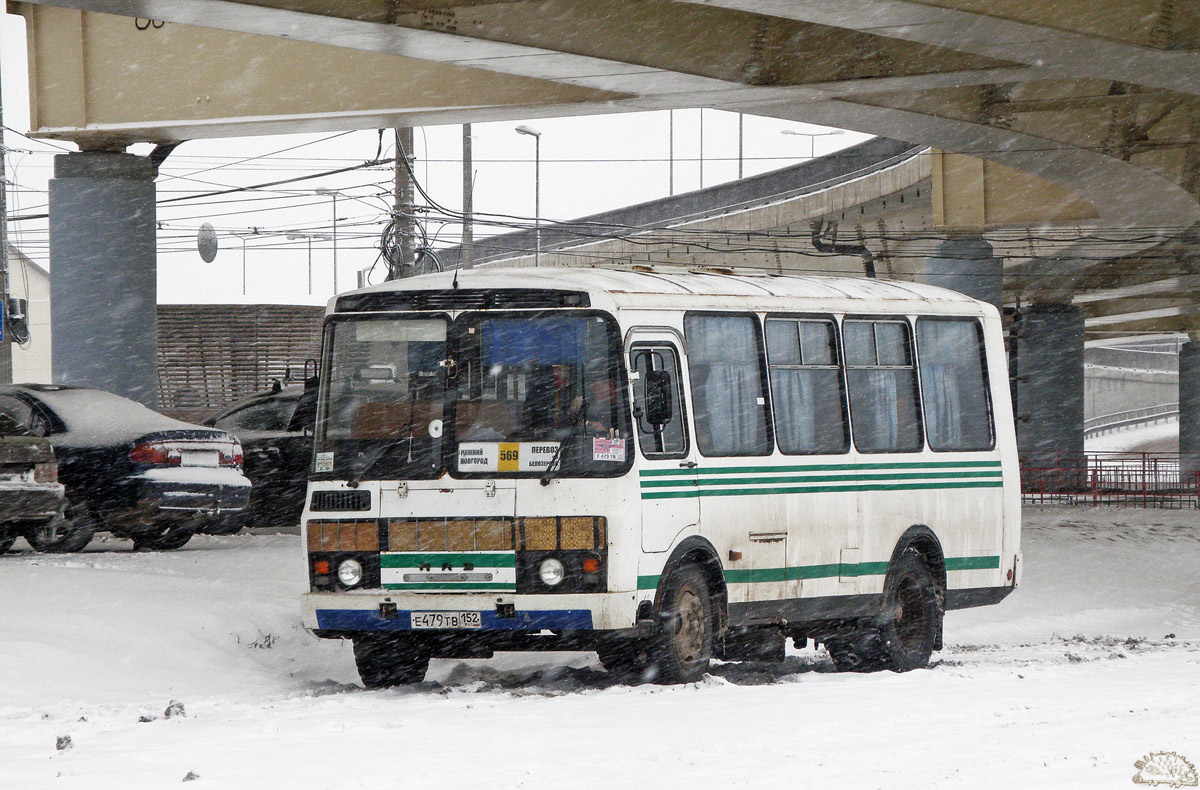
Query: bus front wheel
{"points": [[685, 637], [389, 660]]}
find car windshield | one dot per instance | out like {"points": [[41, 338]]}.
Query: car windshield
{"points": [[272, 414], [491, 394]]}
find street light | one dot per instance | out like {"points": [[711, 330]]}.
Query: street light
{"points": [[294, 235], [333, 194], [537, 190], [812, 138], [242, 238]]}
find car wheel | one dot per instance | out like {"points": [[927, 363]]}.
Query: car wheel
{"points": [[165, 539], [61, 535], [685, 631], [390, 660]]}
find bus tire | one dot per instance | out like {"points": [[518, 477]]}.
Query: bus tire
{"points": [[903, 637], [914, 605], [389, 660], [684, 643]]}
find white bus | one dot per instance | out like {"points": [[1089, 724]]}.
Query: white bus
{"points": [[661, 467]]}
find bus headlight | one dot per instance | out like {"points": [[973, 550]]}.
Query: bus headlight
{"points": [[552, 572], [350, 572]]}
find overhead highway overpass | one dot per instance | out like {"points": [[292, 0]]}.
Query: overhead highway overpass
{"points": [[1063, 176]]}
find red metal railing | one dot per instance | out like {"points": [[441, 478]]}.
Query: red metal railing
{"points": [[1125, 479]]}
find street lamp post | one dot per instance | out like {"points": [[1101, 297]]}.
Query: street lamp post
{"points": [[537, 190], [812, 138], [309, 238], [333, 194], [242, 239]]}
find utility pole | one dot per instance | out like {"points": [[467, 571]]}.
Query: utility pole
{"points": [[468, 231], [6, 370], [405, 199]]}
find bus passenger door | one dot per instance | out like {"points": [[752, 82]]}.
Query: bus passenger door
{"points": [[666, 476]]}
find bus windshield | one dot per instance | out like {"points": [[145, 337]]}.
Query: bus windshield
{"points": [[492, 394]]}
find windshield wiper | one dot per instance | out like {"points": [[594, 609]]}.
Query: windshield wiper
{"points": [[578, 421], [380, 451], [384, 449]]}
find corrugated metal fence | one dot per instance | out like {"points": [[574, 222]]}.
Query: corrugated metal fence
{"points": [[212, 355]]}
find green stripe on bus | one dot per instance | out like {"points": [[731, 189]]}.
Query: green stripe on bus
{"points": [[464, 586], [677, 483], [435, 559], [827, 571], [972, 563], [725, 470], [809, 489]]}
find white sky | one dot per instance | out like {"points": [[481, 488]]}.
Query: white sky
{"points": [[589, 164]]}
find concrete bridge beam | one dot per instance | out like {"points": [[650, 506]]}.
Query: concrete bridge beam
{"points": [[103, 284], [1189, 408], [1049, 387], [968, 266]]}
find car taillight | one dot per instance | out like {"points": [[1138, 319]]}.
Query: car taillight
{"points": [[155, 453], [231, 455], [45, 473]]}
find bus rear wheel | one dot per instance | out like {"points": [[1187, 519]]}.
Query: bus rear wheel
{"points": [[915, 606], [685, 638], [903, 637], [389, 660]]}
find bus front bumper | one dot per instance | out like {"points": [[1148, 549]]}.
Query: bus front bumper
{"points": [[340, 614]]}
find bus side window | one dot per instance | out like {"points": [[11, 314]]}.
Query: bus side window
{"points": [[958, 413], [668, 439], [727, 376], [806, 386], [884, 403]]}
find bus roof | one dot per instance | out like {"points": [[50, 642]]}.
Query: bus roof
{"points": [[693, 289]]}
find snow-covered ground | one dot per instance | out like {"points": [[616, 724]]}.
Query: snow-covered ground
{"points": [[1090, 666]]}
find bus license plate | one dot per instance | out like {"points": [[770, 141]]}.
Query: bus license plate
{"points": [[447, 620]]}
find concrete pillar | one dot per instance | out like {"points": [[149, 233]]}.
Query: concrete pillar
{"points": [[103, 285], [966, 265], [1049, 387], [1189, 409]]}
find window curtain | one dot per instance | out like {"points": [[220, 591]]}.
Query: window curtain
{"points": [[724, 358], [795, 410]]}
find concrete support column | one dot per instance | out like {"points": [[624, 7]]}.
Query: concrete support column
{"points": [[966, 265], [1189, 409], [1048, 396], [103, 284]]}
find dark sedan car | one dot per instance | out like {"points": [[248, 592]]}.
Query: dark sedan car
{"points": [[31, 498], [275, 429], [127, 469]]}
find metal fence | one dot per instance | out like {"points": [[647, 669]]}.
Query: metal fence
{"points": [[1104, 423], [1159, 357], [1126, 479]]}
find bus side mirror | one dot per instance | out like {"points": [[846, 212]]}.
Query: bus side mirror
{"points": [[658, 397]]}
